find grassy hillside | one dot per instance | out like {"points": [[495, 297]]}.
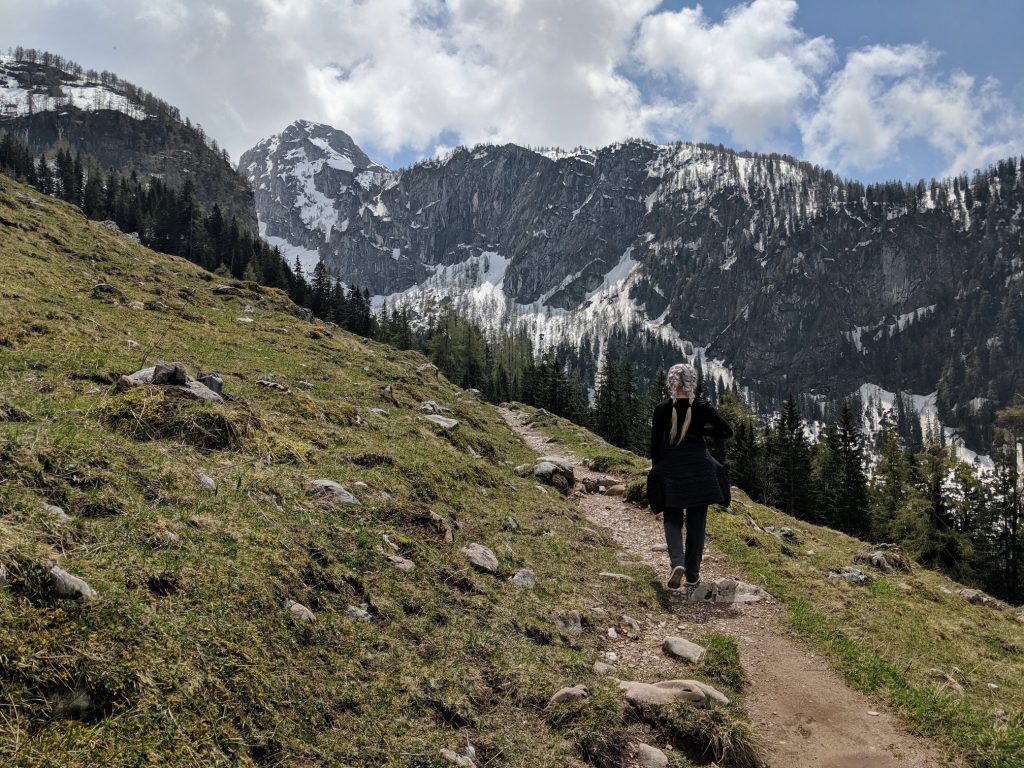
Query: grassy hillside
{"points": [[187, 655], [952, 669]]}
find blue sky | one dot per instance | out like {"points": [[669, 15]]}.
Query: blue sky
{"points": [[876, 90]]}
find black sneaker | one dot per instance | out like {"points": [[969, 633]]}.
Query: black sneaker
{"points": [[676, 577]]}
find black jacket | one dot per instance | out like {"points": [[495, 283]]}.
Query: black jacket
{"points": [[705, 422]]}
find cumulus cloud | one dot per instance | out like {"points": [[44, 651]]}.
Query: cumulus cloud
{"points": [[885, 97], [748, 75], [406, 76]]}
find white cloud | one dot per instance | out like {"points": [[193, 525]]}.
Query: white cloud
{"points": [[749, 75], [169, 14], [887, 96], [406, 76]]}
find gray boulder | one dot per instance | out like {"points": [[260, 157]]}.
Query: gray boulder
{"points": [[602, 669], [481, 557], [650, 757], [525, 578], [431, 406], [170, 374], [206, 482], [357, 613], [570, 623], [848, 574], [681, 648], [55, 512], [68, 585], [299, 611], [569, 693], [889, 560], [334, 491], [671, 692], [212, 381], [401, 563], [443, 422], [977, 597]]}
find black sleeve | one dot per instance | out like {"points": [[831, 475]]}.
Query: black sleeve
{"points": [[658, 423], [714, 425]]}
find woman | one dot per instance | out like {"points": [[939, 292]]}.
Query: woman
{"points": [[678, 429]]}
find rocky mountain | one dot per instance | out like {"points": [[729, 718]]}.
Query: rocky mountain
{"points": [[49, 102], [769, 269]]}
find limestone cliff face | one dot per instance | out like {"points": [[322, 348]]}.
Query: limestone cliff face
{"points": [[790, 274]]}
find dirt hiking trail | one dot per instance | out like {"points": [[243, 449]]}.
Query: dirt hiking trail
{"points": [[806, 716]]}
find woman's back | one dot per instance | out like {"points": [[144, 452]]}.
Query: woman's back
{"points": [[704, 422]]}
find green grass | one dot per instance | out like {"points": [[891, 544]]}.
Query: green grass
{"points": [[886, 637], [187, 653]]}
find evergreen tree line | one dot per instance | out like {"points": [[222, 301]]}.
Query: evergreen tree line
{"points": [[171, 221], [917, 493]]}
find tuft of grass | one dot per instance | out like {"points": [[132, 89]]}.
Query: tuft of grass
{"points": [[721, 664], [705, 735]]}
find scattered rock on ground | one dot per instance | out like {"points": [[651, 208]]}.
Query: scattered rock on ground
{"points": [[977, 597], [69, 585], [442, 421], [464, 761], [206, 482], [430, 406], [569, 693], [331, 489], [615, 490], [600, 668], [671, 692], [726, 591], [681, 648], [525, 578], [106, 289], [401, 563], [482, 557], [227, 290], [650, 757], [616, 576], [299, 611], [442, 526], [357, 613], [56, 512], [632, 624], [511, 524], [848, 574], [889, 560], [212, 381], [659, 548], [570, 623]]}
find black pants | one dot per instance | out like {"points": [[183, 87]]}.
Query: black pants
{"points": [[696, 519]]}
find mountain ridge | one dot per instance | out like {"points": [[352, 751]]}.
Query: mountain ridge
{"points": [[792, 276]]}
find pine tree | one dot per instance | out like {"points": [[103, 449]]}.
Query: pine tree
{"points": [[789, 462], [852, 504]]}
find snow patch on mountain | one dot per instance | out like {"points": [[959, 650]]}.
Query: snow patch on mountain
{"points": [[74, 92]]}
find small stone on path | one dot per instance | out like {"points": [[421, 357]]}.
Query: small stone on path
{"points": [[600, 668], [681, 648]]}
